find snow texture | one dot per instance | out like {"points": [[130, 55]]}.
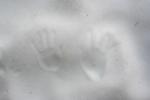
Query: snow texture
{"points": [[74, 50]]}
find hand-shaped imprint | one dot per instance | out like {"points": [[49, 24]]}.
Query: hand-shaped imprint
{"points": [[43, 43], [103, 60]]}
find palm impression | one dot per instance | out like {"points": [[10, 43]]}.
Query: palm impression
{"points": [[104, 59], [43, 42]]}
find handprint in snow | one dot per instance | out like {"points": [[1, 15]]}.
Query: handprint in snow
{"points": [[43, 42], [104, 58]]}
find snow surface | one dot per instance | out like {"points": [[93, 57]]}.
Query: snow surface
{"points": [[74, 50]]}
